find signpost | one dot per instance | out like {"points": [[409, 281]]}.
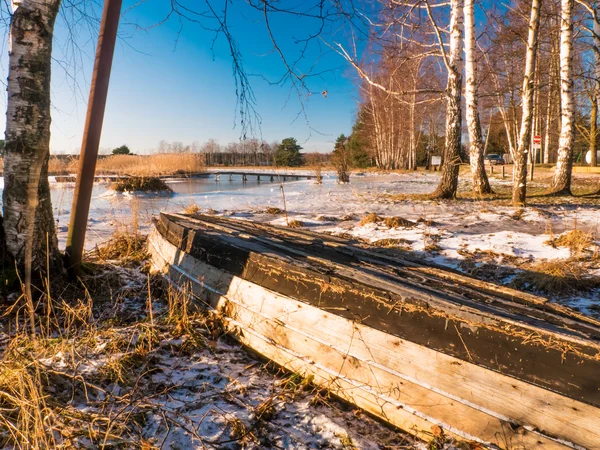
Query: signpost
{"points": [[537, 146], [91, 135]]}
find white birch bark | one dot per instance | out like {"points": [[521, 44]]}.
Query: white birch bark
{"points": [[594, 118], [561, 184], [520, 158], [28, 219], [448, 184], [479, 177]]}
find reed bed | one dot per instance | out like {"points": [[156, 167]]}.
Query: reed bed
{"points": [[152, 165], [162, 164]]}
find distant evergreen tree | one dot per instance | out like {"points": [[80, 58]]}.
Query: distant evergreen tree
{"points": [[122, 150], [340, 157], [357, 145], [288, 153]]}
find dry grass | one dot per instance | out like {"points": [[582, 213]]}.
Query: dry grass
{"points": [[153, 165], [191, 209], [370, 218], [273, 210], [390, 222], [403, 244], [123, 246], [61, 166], [141, 184], [295, 223], [555, 277], [398, 222], [576, 240]]}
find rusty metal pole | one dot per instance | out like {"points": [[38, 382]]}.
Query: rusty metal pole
{"points": [[91, 134]]}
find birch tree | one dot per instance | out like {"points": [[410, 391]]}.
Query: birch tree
{"points": [[520, 158], [28, 220], [594, 122], [479, 177], [448, 184], [561, 183]]}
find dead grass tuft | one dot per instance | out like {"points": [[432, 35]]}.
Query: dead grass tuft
{"points": [[398, 222], [295, 224], [125, 247], [576, 240], [555, 277], [192, 209], [141, 184], [370, 218], [390, 222], [25, 415], [404, 244], [273, 210]]}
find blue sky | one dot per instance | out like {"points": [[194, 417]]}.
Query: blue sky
{"points": [[167, 83]]}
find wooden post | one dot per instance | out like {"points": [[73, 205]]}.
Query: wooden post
{"points": [[91, 135], [258, 178], [217, 178], [272, 178], [532, 166], [231, 177], [503, 171]]}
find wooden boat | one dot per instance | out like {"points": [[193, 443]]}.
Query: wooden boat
{"points": [[423, 347]]}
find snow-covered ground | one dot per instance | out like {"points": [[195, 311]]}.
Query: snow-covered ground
{"points": [[192, 388], [480, 237], [120, 378]]}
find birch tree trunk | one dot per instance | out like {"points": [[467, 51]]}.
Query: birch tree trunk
{"points": [[594, 130], [520, 158], [448, 184], [561, 184], [28, 219], [481, 184], [594, 116]]}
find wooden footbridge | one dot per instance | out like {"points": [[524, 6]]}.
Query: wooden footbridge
{"points": [[262, 175], [273, 177]]}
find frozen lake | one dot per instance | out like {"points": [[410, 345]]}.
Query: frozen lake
{"points": [[110, 210]]}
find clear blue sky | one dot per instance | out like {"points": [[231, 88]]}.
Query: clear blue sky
{"points": [[167, 83]]}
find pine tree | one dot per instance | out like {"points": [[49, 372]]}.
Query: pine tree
{"points": [[288, 153]]}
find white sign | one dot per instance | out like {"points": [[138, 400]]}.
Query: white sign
{"points": [[588, 157], [537, 146], [436, 160]]}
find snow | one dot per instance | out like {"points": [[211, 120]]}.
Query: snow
{"points": [[458, 228]]}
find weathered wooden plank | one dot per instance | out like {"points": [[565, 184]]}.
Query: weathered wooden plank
{"points": [[372, 353], [461, 330], [430, 273]]}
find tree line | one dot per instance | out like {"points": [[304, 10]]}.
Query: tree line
{"points": [[524, 69]]}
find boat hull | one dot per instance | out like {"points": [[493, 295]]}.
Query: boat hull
{"points": [[415, 387]]}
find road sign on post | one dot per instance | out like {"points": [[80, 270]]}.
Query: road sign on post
{"points": [[537, 140]]}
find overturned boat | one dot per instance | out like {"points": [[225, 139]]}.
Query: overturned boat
{"points": [[423, 347]]}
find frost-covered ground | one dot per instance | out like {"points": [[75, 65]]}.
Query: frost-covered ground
{"points": [[488, 239], [118, 376], [115, 376]]}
